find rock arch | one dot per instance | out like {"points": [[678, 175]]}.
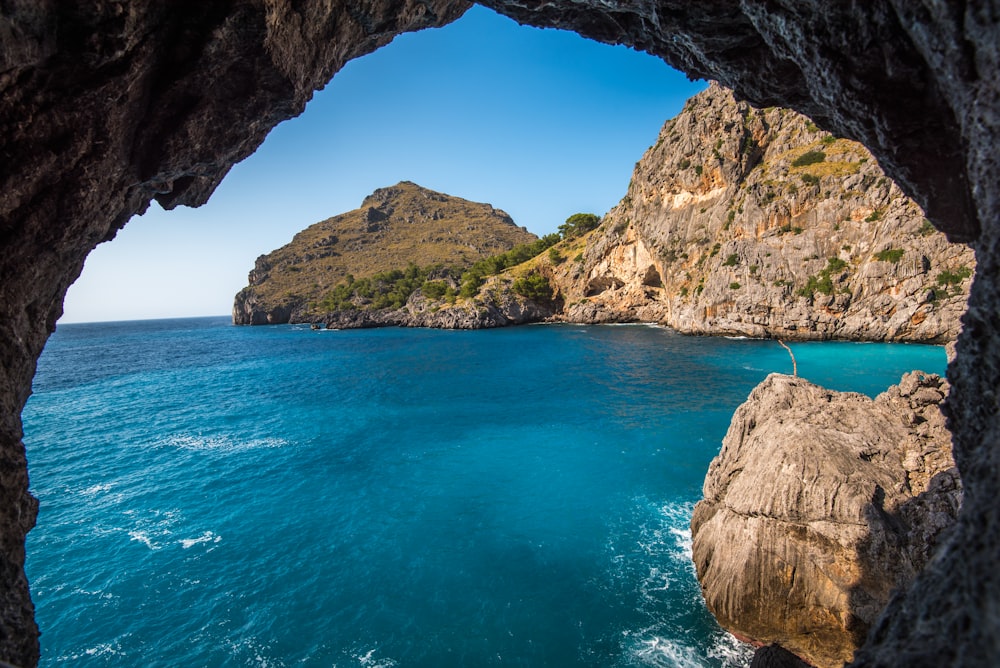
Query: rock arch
{"points": [[107, 106]]}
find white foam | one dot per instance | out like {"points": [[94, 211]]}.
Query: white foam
{"points": [[369, 660], [683, 541], [665, 653], [98, 594], [142, 537], [255, 653], [97, 489], [207, 537], [223, 443], [105, 649], [730, 651]]}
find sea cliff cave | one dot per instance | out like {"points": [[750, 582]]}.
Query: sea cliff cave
{"points": [[107, 106]]}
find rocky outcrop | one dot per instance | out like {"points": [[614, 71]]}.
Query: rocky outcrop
{"points": [[395, 226], [419, 311], [105, 106], [754, 222], [819, 506]]}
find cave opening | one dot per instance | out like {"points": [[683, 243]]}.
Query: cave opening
{"points": [[929, 94]]}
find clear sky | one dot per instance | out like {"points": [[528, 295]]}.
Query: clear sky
{"points": [[539, 123]]}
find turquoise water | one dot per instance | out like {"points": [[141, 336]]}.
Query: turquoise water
{"points": [[222, 496]]}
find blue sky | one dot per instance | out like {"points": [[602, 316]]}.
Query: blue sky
{"points": [[540, 123]]}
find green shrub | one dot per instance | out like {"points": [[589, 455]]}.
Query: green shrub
{"points": [[579, 224], [946, 277], [697, 170], [734, 286], [731, 261], [873, 216], [809, 179], [817, 283], [471, 282], [827, 140], [809, 158], [823, 281], [835, 264], [684, 163], [893, 255], [534, 286], [555, 257], [434, 289]]}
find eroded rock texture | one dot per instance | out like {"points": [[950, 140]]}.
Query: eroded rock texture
{"points": [[746, 221], [105, 106], [819, 505]]}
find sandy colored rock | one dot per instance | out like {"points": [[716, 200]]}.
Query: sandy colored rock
{"points": [[819, 506], [754, 222]]}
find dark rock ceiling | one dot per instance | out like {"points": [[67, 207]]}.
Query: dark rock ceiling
{"points": [[107, 105]]}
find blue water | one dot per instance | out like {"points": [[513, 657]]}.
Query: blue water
{"points": [[222, 496]]}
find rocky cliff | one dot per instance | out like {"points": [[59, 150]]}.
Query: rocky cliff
{"points": [[819, 506], [755, 222], [106, 106], [395, 226]]}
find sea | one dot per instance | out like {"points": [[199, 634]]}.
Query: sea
{"points": [[275, 496]]}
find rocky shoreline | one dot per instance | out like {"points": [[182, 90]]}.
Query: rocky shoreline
{"points": [[821, 505], [738, 221]]}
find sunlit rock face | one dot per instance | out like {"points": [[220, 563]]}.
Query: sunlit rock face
{"points": [[106, 106], [754, 222], [819, 505]]}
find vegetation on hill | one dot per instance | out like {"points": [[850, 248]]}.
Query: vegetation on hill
{"points": [[394, 228], [391, 288]]}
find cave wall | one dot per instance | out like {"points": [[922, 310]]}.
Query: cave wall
{"points": [[108, 105]]}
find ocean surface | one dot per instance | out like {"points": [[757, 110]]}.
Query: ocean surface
{"points": [[275, 496]]}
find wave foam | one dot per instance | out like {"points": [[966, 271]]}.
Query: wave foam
{"points": [[661, 652], [369, 660], [97, 489], [724, 651], [225, 444], [207, 537], [143, 537], [108, 649]]}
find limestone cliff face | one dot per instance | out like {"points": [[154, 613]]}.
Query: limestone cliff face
{"points": [[819, 506], [755, 222]]}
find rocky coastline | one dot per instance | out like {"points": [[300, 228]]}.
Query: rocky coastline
{"points": [[738, 221]]}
